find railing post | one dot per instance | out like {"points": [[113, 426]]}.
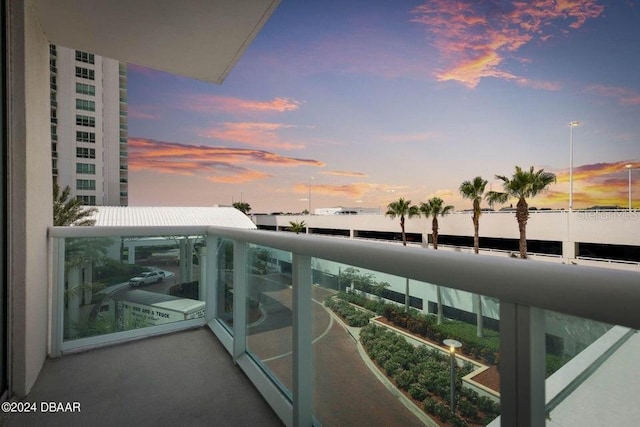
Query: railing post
{"points": [[210, 284], [240, 284], [302, 342], [522, 365], [57, 303]]}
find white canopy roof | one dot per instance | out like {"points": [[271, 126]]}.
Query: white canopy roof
{"points": [[172, 216]]}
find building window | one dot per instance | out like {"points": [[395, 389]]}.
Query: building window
{"points": [[85, 89], [82, 136], [87, 200], [85, 104], [89, 58], [85, 184], [85, 121], [85, 73], [86, 168], [85, 153]]}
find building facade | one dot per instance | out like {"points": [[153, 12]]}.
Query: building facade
{"points": [[89, 126]]}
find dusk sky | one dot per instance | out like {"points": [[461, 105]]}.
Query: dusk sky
{"points": [[368, 101]]}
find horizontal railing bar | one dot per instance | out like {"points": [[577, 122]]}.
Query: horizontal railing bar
{"points": [[606, 295], [105, 231]]}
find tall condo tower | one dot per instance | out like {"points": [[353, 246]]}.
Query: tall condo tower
{"points": [[89, 126]]}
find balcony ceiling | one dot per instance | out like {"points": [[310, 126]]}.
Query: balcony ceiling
{"points": [[201, 39]]}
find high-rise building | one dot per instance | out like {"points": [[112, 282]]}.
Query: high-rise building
{"points": [[89, 126]]}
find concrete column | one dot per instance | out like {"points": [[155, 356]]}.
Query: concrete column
{"points": [[569, 250], [132, 254]]}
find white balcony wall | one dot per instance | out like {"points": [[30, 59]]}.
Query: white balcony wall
{"points": [[29, 199]]}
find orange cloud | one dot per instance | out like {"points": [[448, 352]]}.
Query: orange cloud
{"points": [[474, 38], [218, 164], [344, 173], [624, 96], [258, 134], [208, 103], [355, 190], [595, 170], [595, 184]]}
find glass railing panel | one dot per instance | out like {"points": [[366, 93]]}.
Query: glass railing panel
{"points": [[365, 339], [269, 311], [592, 372], [223, 284], [114, 284]]}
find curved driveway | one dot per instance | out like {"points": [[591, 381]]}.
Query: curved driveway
{"points": [[347, 393]]}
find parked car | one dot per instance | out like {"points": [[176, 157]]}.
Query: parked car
{"points": [[147, 278]]}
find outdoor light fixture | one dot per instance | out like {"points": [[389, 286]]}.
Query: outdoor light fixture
{"points": [[571, 126], [310, 178], [453, 345], [629, 166]]}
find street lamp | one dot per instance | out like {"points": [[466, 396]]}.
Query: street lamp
{"points": [[453, 344], [309, 209], [629, 168], [571, 126]]}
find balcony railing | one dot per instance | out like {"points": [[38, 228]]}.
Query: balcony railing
{"points": [[261, 294]]}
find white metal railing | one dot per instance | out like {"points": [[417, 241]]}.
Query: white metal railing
{"points": [[522, 286]]}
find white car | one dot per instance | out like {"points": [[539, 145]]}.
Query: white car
{"points": [[146, 278]]}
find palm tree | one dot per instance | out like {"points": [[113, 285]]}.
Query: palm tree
{"points": [[70, 211], [243, 207], [297, 227], [522, 185], [402, 208], [474, 191], [434, 208]]}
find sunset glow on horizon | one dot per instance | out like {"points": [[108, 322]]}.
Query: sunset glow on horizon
{"points": [[359, 103]]}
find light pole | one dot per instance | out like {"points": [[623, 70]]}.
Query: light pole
{"points": [[453, 344], [571, 126], [309, 209], [629, 168]]}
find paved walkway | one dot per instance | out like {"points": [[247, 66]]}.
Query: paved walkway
{"points": [[347, 392]]}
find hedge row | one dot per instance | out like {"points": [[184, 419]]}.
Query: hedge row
{"points": [[425, 375], [346, 311], [485, 349]]}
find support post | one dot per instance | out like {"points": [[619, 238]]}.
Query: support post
{"points": [[522, 365], [302, 342], [240, 284]]}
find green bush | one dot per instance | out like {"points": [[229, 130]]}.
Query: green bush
{"points": [[418, 391], [351, 315], [404, 378]]}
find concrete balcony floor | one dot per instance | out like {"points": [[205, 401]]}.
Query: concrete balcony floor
{"points": [[184, 378]]}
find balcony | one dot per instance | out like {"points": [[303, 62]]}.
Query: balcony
{"points": [[260, 293]]}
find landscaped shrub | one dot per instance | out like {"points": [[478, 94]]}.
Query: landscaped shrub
{"points": [[418, 391], [468, 409], [351, 315], [424, 373], [404, 378]]}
